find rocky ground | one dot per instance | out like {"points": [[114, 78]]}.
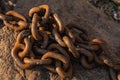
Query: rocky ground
{"points": [[100, 18]]}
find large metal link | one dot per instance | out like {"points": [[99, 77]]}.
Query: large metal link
{"points": [[34, 30], [15, 25], [58, 38], [71, 46], [61, 72], [15, 51]]}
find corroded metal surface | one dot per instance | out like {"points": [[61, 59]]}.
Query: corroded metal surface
{"points": [[94, 29]]}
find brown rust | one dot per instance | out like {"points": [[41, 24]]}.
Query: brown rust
{"points": [[16, 14], [46, 7], [58, 38], [56, 56], [61, 50], [19, 26], [50, 68], [38, 34], [44, 51], [106, 60], [118, 76], [38, 50], [63, 74], [78, 32], [22, 35], [88, 54], [86, 64], [76, 28], [106, 54], [90, 47], [33, 10], [37, 10], [70, 34], [16, 58], [98, 60], [48, 32], [27, 49], [45, 39], [2, 17], [34, 30], [58, 21], [71, 46], [37, 61]]}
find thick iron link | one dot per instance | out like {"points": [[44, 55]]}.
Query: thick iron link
{"points": [[15, 25]]}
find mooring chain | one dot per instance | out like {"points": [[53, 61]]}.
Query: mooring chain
{"points": [[44, 41]]}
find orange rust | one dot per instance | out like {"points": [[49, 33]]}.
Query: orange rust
{"points": [[41, 28], [61, 50], [118, 76], [22, 35], [50, 68], [54, 25], [71, 46], [2, 17], [105, 51], [27, 49], [57, 56], [16, 14], [98, 41], [46, 7], [67, 37], [58, 38], [58, 21], [37, 61], [106, 60], [16, 58], [34, 30], [91, 47], [63, 74], [70, 34], [48, 32], [38, 9], [19, 26], [34, 10], [39, 50]]}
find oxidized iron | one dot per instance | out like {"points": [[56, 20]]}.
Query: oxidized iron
{"points": [[46, 42]]}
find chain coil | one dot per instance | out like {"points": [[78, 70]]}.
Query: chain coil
{"points": [[46, 42]]}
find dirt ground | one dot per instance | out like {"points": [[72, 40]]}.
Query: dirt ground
{"points": [[90, 15]]}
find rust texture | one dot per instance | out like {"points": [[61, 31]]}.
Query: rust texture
{"points": [[44, 41]]}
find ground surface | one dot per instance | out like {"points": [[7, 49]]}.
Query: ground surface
{"points": [[81, 12]]}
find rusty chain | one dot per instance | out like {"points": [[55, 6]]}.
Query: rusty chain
{"points": [[46, 42]]}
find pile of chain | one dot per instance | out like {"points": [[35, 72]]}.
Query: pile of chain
{"points": [[44, 41]]}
